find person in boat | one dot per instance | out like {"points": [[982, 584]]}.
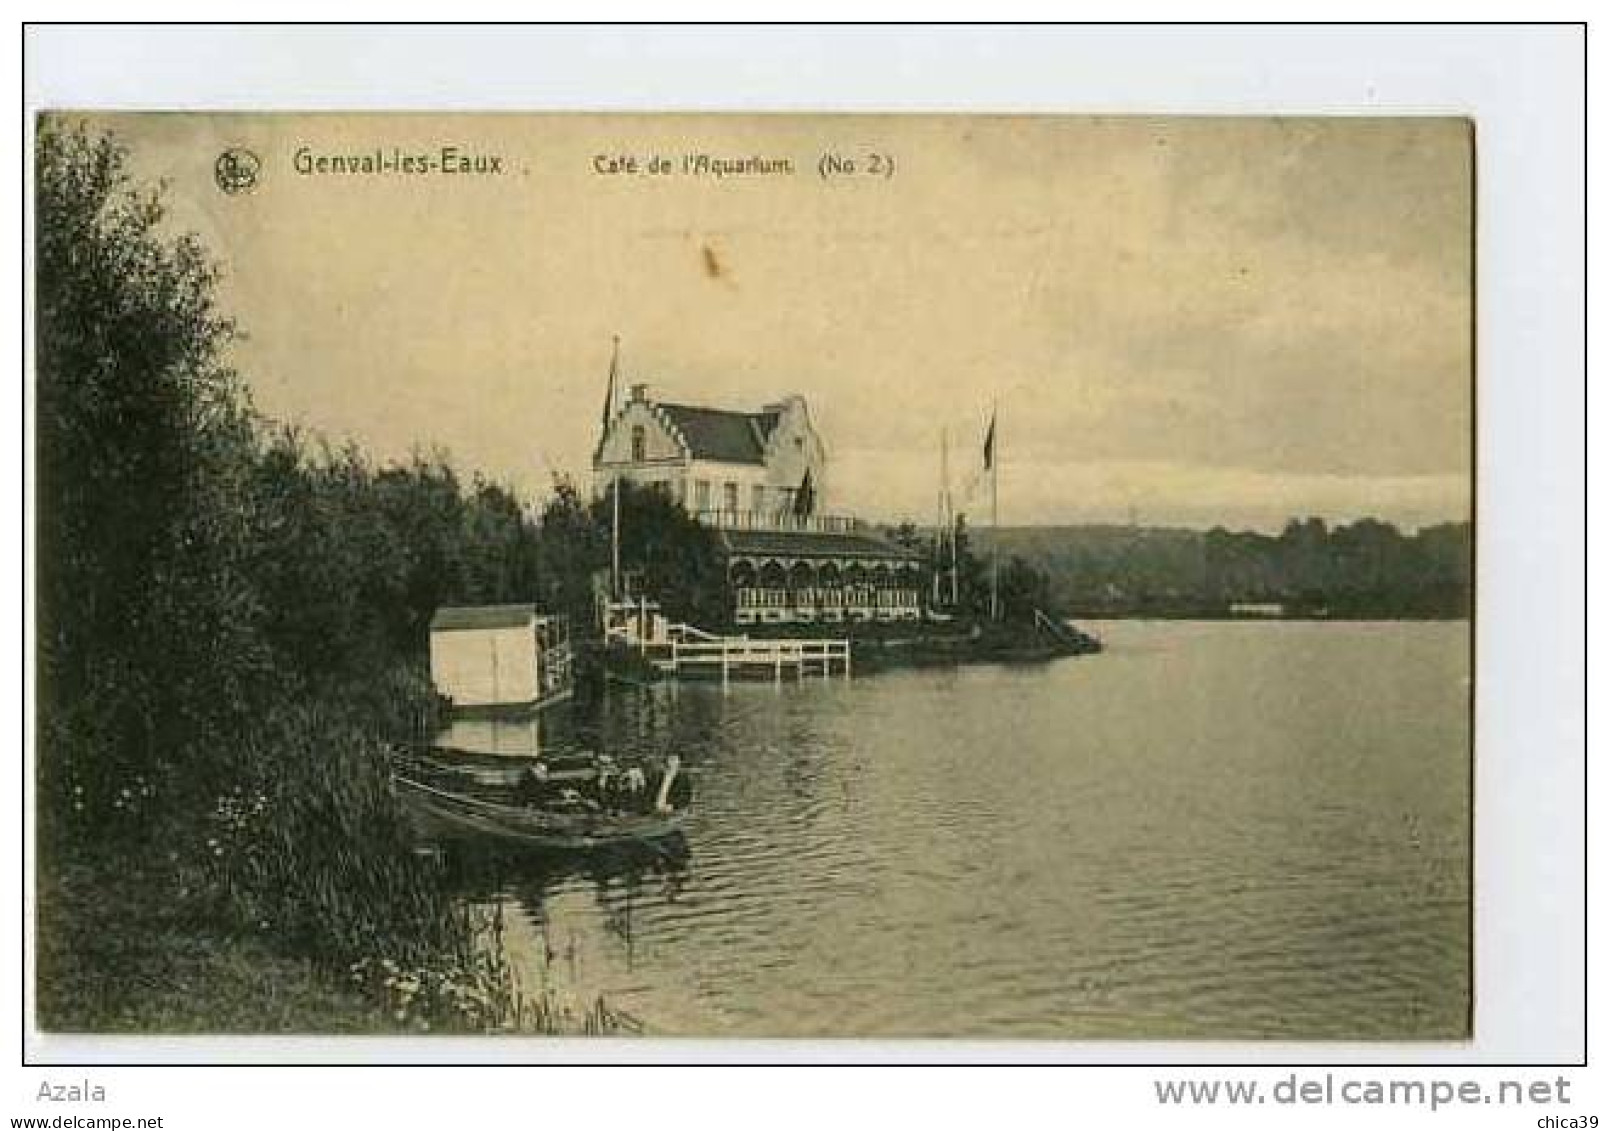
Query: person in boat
{"points": [[573, 801], [608, 785], [534, 787], [635, 789], [620, 791], [680, 794]]}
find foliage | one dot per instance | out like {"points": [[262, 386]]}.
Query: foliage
{"points": [[231, 619], [1023, 586], [1366, 568], [354, 560], [572, 551], [148, 643], [664, 552], [669, 554], [199, 568]]}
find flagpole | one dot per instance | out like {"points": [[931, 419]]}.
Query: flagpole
{"points": [[994, 508], [955, 560], [944, 510], [614, 527], [952, 528]]}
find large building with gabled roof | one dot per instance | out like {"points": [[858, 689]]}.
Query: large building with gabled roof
{"points": [[761, 480], [716, 460]]}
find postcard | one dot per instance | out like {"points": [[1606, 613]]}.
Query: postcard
{"points": [[723, 575]]}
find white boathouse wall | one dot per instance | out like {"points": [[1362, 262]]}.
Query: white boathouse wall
{"points": [[483, 667]]}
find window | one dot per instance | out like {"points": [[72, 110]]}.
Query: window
{"points": [[701, 494], [639, 443], [730, 501]]}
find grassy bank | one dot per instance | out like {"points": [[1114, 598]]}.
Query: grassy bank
{"points": [[120, 950], [291, 900], [134, 947]]}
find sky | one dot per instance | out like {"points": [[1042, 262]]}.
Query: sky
{"points": [[1179, 321]]}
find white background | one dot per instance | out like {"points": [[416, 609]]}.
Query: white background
{"points": [[1524, 87]]}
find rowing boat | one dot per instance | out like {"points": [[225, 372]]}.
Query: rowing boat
{"points": [[449, 815]]}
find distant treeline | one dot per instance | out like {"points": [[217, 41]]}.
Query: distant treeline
{"points": [[1364, 569]]}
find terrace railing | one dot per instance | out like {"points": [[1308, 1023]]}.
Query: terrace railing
{"points": [[780, 520]]}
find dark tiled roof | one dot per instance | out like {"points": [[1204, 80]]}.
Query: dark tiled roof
{"points": [[482, 616], [718, 434], [766, 422], [802, 543]]}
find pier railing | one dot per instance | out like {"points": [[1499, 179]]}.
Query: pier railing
{"points": [[740, 655], [679, 649]]}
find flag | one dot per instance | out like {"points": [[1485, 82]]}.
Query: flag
{"points": [[804, 499], [988, 446], [609, 397]]}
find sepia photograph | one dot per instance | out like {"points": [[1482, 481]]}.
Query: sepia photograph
{"points": [[734, 575]]}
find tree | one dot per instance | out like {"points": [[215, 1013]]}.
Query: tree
{"points": [[571, 549], [147, 646], [675, 558], [972, 575], [1023, 590]]}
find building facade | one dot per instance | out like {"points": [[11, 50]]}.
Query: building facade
{"points": [[817, 576], [714, 461], [761, 480]]}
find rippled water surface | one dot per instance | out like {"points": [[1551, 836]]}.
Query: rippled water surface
{"points": [[1212, 830]]}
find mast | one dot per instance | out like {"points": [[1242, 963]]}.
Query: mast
{"points": [[942, 529], [954, 559], [614, 529], [990, 457], [951, 528]]}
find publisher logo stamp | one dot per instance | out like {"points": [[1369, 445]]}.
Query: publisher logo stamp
{"points": [[236, 170]]}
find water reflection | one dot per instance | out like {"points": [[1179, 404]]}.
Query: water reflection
{"points": [[568, 920], [503, 736]]}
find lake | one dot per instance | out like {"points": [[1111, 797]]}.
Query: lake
{"points": [[1213, 830]]}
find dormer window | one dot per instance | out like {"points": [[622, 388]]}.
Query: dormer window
{"points": [[639, 444]]}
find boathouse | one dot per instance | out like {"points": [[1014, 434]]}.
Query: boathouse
{"points": [[761, 480], [499, 656]]}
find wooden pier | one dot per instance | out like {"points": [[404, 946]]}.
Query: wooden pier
{"points": [[727, 656], [683, 650]]}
